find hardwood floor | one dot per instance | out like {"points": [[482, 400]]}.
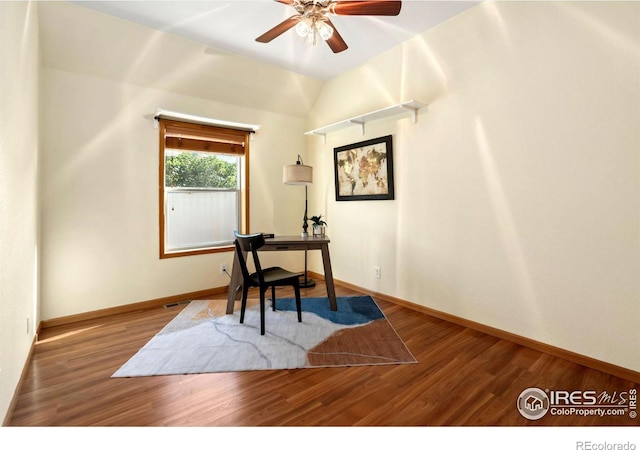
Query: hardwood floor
{"points": [[463, 377]]}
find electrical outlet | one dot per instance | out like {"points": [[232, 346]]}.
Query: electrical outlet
{"points": [[223, 268], [377, 271]]}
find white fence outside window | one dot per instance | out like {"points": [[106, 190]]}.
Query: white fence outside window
{"points": [[200, 218]]}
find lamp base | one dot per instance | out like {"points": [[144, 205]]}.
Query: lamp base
{"points": [[306, 283]]}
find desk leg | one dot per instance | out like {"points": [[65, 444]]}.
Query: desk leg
{"points": [[235, 285], [328, 278]]}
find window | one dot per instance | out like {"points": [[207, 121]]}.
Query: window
{"points": [[203, 187]]}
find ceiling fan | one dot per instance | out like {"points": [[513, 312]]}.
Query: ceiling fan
{"points": [[311, 21]]}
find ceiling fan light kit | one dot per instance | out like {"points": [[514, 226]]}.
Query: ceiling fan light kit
{"points": [[311, 21], [310, 28]]}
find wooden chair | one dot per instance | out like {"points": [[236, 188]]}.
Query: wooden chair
{"points": [[263, 278]]}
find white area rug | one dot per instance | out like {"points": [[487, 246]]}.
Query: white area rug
{"points": [[198, 341]]}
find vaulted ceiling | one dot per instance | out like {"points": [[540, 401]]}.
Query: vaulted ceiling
{"points": [[232, 26], [208, 48]]}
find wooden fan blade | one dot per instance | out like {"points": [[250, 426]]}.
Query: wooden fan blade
{"points": [[279, 29], [335, 42], [362, 8]]}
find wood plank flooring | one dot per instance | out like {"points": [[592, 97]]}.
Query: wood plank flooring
{"points": [[463, 378]]}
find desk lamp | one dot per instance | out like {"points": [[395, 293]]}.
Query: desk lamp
{"points": [[300, 174]]}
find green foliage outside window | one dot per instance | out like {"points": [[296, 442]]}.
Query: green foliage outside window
{"points": [[200, 170]]}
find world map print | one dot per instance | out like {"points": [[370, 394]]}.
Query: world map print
{"points": [[362, 171]]}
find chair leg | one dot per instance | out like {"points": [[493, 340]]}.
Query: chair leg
{"points": [[296, 288], [245, 293], [273, 297], [261, 311]]}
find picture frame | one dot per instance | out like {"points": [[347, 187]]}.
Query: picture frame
{"points": [[364, 170]]}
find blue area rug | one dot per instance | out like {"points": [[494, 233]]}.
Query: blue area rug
{"points": [[203, 339], [351, 310]]}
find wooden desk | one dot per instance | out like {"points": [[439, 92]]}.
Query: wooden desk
{"points": [[287, 243]]}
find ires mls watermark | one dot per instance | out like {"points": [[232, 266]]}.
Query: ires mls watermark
{"points": [[534, 403]]}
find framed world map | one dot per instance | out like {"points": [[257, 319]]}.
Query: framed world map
{"points": [[364, 170]]}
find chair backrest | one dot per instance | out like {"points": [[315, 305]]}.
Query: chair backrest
{"points": [[249, 243]]}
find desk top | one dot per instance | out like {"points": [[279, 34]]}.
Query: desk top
{"points": [[297, 239]]}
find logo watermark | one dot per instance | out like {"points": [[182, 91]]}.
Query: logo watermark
{"points": [[534, 403], [589, 445]]}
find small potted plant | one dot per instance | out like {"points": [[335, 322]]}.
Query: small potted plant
{"points": [[318, 225]]}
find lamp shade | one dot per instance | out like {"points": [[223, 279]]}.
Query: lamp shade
{"points": [[297, 174]]}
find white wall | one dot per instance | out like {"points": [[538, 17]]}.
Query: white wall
{"points": [[518, 190], [100, 193], [18, 191], [100, 155], [77, 39]]}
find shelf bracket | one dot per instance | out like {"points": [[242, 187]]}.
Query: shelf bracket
{"points": [[358, 122], [414, 112]]}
